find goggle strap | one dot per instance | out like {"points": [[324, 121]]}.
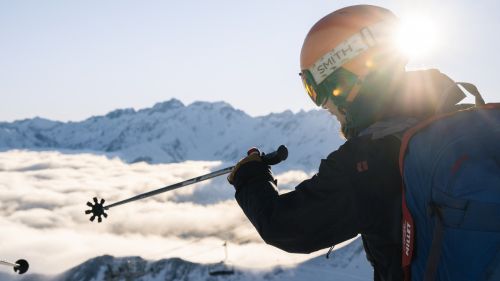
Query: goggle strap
{"points": [[349, 49]]}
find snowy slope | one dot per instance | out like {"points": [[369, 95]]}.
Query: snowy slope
{"points": [[346, 264], [173, 132]]}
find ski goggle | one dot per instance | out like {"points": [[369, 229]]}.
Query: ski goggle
{"points": [[340, 86], [326, 78]]}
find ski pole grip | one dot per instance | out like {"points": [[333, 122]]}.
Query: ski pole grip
{"points": [[275, 157]]}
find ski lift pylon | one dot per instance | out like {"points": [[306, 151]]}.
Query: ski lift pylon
{"points": [[222, 268]]}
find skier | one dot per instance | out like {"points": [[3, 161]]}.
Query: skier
{"points": [[351, 67]]}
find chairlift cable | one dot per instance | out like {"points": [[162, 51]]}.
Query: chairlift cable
{"points": [[168, 252]]}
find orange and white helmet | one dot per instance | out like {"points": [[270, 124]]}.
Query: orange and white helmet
{"points": [[342, 48]]}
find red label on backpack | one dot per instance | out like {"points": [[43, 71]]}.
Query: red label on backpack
{"points": [[408, 236], [408, 231]]}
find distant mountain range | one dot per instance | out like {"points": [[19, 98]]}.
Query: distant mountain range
{"points": [[173, 132], [346, 264]]}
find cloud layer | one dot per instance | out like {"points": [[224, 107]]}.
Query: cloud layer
{"points": [[42, 203]]}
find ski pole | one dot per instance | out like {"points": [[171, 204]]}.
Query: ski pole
{"points": [[21, 266], [98, 209]]}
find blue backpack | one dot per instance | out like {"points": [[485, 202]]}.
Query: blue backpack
{"points": [[450, 165]]}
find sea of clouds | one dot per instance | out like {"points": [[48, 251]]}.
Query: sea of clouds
{"points": [[43, 197]]}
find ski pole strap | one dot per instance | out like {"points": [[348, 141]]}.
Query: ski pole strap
{"points": [[330, 251]]}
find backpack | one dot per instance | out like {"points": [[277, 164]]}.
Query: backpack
{"points": [[450, 166]]}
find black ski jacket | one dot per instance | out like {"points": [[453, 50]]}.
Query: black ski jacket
{"points": [[357, 190]]}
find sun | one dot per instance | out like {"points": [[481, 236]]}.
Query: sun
{"points": [[417, 36]]}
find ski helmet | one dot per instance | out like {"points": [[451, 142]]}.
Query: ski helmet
{"points": [[342, 48]]}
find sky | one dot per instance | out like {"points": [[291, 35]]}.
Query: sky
{"points": [[69, 60], [43, 196]]}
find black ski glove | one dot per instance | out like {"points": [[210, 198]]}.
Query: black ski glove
{"points": [[254, 155]]}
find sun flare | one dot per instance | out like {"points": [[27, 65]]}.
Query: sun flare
{"points": [[417, 36]]}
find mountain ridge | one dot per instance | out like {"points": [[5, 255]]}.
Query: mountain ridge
{"points": [[346, 264], [173, 132]]}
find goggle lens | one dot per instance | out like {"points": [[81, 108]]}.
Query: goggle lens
{"points": [[336, 86], [309, 89]]}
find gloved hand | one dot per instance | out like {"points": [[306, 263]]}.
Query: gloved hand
{"points": [[253, 155]]}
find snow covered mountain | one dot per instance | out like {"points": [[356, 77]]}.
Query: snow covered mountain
{"points": [[346, 264], [173, 132], [167, 132]]}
